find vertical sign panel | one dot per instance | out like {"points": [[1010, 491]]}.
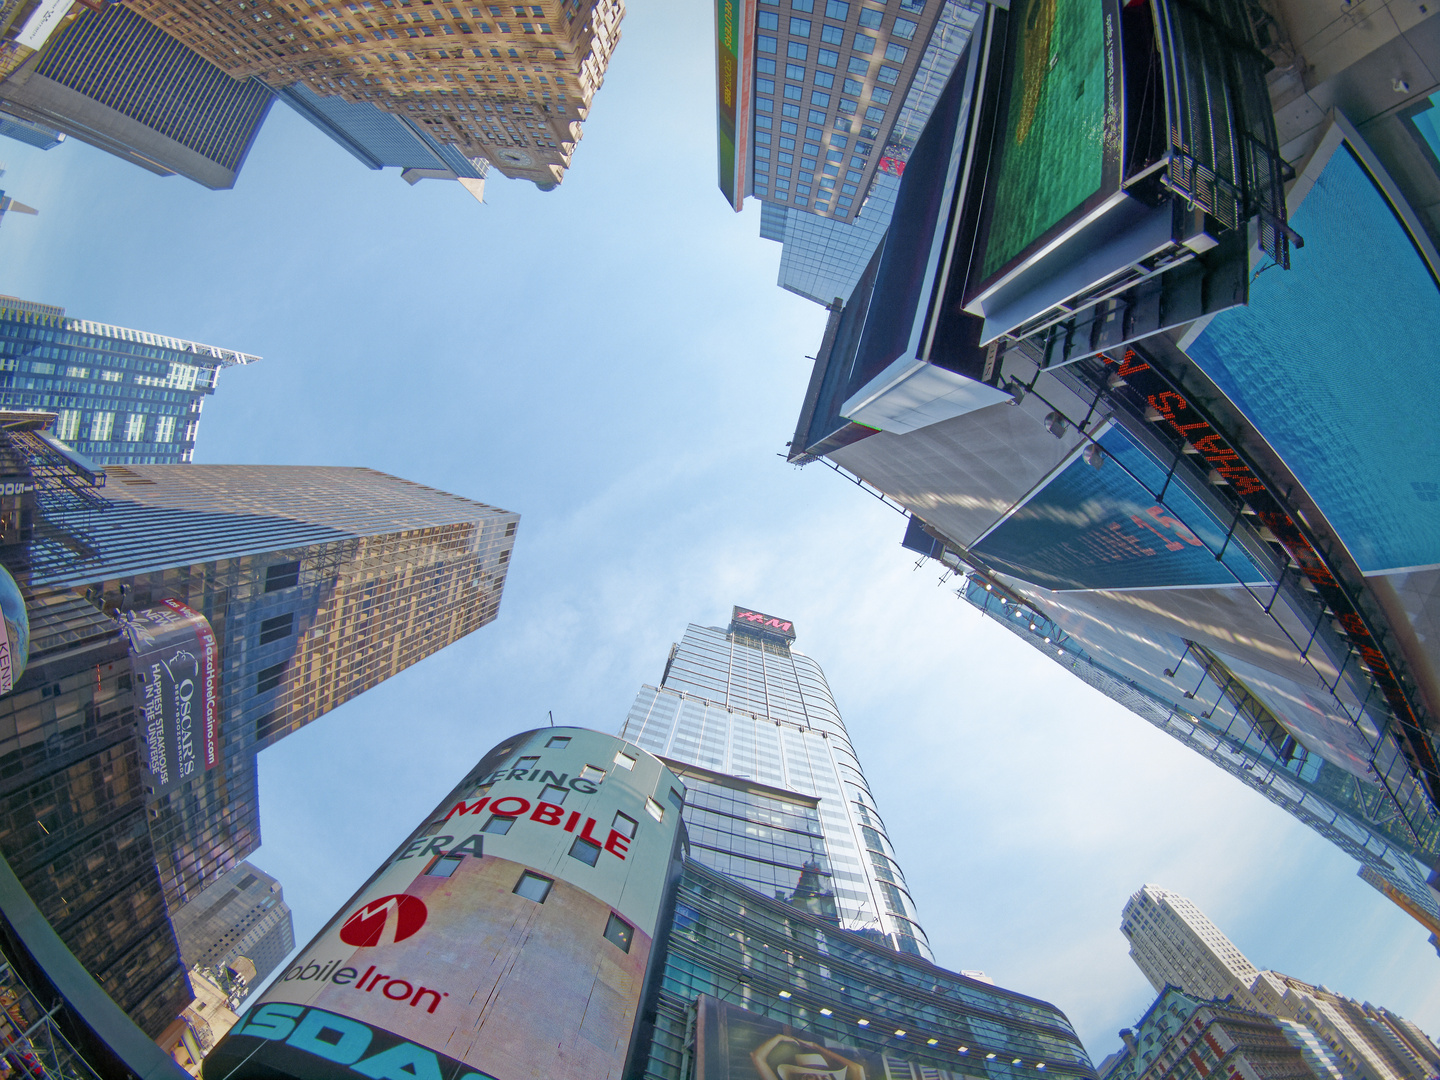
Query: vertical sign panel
{"points": [[176, 663], [733, 39], [509, 937]]}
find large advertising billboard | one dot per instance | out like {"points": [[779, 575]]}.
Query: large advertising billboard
{"points": [[510, 936], [735, 1044], [733, 38], [1057, 150], [1095, 523], [175, 661]]}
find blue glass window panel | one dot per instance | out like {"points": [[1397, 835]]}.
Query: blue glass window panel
{"points": [[788, 128], [796, 51], [817, 116], [825, 79], [787, 144], [863, 43], [762, 121], [795, 72], [764, 104], [880, 96], [767, 20], [896, 53], [1289, 362], [785, 159], [821, 99], [800, 28], [809, 163], [813, 133], [794, 93], [765, 44], [874, 114], [847, 189], [871, 18], [764, 66], [765, 86], [839, 142], [832, 35], [828, 58], [844, 202], [802, 5], [838, 10], [859, 65], [904, 28]]}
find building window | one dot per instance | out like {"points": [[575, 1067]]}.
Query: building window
{"points": [[802, 5], [825, 79], [896, 53], [874, 114], [838, 10], [863, 43], [558, 742], [283, 575], [269, 678], [904, 28], [552, 794], [796, 51], [165, 429], [102, 424], [793, 92], [764, 104], [269, 724], [67, 425], [527, 762], [135, 427], [625, 761], [281, 626], [625, 825], [839, 142], [533, 887], [444, 866], [792, 111], [858, 66], [593, 773], [767, 20], [764, 43], [821, 99], [914, 7], [832, 35], [848, 107], [765, 86], [828, 58], [880, 96], [587, 851], [854, 87], [497, 825], [800, 28], [841, 124], [795, 72], [654, 809], [871, 19], [619, 933]]}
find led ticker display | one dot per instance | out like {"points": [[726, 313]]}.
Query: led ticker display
{"points": [[1102, 528], [1056, 148]]}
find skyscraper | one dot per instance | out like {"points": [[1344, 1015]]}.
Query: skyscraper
{"points": [[822, 258], [1175, 945], [738, 701], [36, 135], [808, 98], [277, 593], [380, 139], [242, 913], [120, 396], [507, 84], [111, 79]]}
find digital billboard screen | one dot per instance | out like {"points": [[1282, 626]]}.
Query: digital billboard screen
{"points": [[1333, 362], [510, 935], [1102, 528], [1057, 138], [735, 1044], [175, 662]]}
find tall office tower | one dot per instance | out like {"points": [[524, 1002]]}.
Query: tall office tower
{"points": [[378, 139], [1189, 1037], [560, 861], [507, 84], [112, 80], [277, 593], [241, 913], [808, 98], [739, 702], [120, 396], [36, 135], [1104, 436], [822, 258], [1174, 944]]}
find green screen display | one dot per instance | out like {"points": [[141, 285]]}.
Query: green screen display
{"points": [[1051, 145]]}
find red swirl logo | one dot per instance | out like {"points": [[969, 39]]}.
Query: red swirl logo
{"points": [[384, 921]]}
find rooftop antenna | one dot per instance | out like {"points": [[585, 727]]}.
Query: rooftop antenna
{"points": [[551, 713]]}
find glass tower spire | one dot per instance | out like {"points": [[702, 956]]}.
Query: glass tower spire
{"points": [[777, 796]]}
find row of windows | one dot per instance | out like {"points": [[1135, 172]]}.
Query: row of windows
{"points": [[817, 97], [862, 43], [840, 9]]}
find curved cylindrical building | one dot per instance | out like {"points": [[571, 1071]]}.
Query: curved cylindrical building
{"points": [[510, 935]]}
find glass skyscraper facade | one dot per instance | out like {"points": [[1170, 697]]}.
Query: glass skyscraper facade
{"points": [[120, 396], [799, 814]]}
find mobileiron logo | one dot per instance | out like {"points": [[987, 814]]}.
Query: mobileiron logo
{"points": [[384, 921]]}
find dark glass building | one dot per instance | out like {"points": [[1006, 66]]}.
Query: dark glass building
{"points": [[1141, 442], [113, 80], [119, 396], [241, 913]]}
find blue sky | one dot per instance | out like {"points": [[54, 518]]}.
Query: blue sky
{"points": [[613, 361]]}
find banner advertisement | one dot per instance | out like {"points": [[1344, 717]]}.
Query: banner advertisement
{"points": [[175, 661], [511, 935], [15, 638], [735, 1044], [1093, 524]]}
